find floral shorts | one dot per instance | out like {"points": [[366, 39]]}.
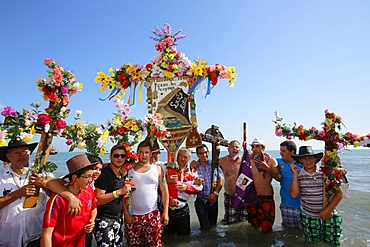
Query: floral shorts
{"points": [[146, 227]]}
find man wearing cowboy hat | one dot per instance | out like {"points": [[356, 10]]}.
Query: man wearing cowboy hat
{"points": [[262, 213], [318, 223], [20, 226]]}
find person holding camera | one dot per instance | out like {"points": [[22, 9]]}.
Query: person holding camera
{"points": [[264, 168]]}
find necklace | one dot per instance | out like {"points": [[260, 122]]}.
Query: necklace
{"points": [[20, 184]]}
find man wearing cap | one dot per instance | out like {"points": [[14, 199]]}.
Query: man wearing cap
{"points": [[20, 226], [318, 223], [262, 213], [60, 228]]}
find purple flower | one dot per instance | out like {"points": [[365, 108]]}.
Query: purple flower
{"points": [[69, 142]]}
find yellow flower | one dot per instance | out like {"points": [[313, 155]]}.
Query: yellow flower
{"points": [[28, 138], [356, 144], [102, 152], [167, 74], [2, 143], [81, 145], [105, 134], [135, 128], [331, 154]]}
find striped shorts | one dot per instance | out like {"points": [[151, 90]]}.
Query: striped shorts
{"points": [[316, 229]]}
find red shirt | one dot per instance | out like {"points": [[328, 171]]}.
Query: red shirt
{"points": [[69, 230]]}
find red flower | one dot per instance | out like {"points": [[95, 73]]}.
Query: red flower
{"points": [[44, 119], [149, 66], [60, 124], [122, 130]]}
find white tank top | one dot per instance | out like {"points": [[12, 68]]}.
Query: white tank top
{"points": [[144, 198]]}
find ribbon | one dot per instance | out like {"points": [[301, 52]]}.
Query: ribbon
{"points": [[196, 84]]}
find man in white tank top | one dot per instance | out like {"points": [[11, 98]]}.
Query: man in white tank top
{"points": [[145, 221]]}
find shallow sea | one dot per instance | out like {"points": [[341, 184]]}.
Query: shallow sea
{"points": [[354, 211]]}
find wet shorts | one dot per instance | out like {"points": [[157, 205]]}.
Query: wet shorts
{"points": [[262, 213], [146, 227]]}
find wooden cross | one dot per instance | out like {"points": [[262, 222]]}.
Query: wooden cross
{"points": [[333, 140], [214, 136]]}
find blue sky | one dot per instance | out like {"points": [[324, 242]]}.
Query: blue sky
{"points": [[295, 57]]}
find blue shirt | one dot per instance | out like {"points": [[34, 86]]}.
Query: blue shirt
{"points": [[207, 175], [286, 180]]}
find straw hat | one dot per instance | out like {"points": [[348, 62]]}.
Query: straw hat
{"points": [[15, 144], [77, 163], [305, 151]]}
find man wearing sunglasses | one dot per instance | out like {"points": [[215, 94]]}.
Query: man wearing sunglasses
{"points": [[109, 189]]}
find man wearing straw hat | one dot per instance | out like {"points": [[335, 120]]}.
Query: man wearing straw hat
{"points": [[20, 226]]}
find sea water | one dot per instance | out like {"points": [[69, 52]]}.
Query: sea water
{"points": [[354, 212]]}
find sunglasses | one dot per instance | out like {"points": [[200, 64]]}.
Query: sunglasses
{"points": [[118, 155]]}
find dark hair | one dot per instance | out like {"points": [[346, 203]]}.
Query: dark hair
{"points": [[94, 159], [144, 144], [117, 147], [201, 146], [290, 145]]}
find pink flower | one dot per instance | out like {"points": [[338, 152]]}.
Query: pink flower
{"points": [[279, 132], [64, 90], [313, 128], [321, 134], [9, 111], [69, 142]]}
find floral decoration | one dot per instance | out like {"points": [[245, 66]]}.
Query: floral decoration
{"points": [[155, 128], [91, 137], [124, 128], [333, 139], [57, 88], [168, 63]]}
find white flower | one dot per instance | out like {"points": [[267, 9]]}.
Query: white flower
{"points": [[47, 128], [103, 224], [27, 122], [78, 113], [111, 235]]}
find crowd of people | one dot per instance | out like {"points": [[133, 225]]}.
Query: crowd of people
{"points": [[122, 203]]}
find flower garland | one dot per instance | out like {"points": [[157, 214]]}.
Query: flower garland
{"points": [[334, 141], [168, 63]]}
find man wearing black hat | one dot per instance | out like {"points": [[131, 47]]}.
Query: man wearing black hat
{"points": [[20, 226]]}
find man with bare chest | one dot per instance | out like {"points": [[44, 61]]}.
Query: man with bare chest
{"points": [[264, 168], [230, 165]]}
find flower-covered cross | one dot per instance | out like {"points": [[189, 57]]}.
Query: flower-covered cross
{"points": [[334, 141]]}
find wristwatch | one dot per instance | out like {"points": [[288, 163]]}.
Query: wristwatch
{"points": [[215, 192]]}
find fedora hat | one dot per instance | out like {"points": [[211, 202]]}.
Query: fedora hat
{"points": [[78, 162], [307, 151], [258, 140], [17, 143]]}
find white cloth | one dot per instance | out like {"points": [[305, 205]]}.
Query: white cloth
{"points": [[18, 224], [144, 198], [183, 195]]}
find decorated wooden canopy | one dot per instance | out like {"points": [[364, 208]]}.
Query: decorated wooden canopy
{"points": [[334, 140], [171, 80]]}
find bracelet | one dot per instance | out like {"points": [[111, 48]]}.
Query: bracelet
{"points": [[73, 196], [215, 192], [115, 195]]}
